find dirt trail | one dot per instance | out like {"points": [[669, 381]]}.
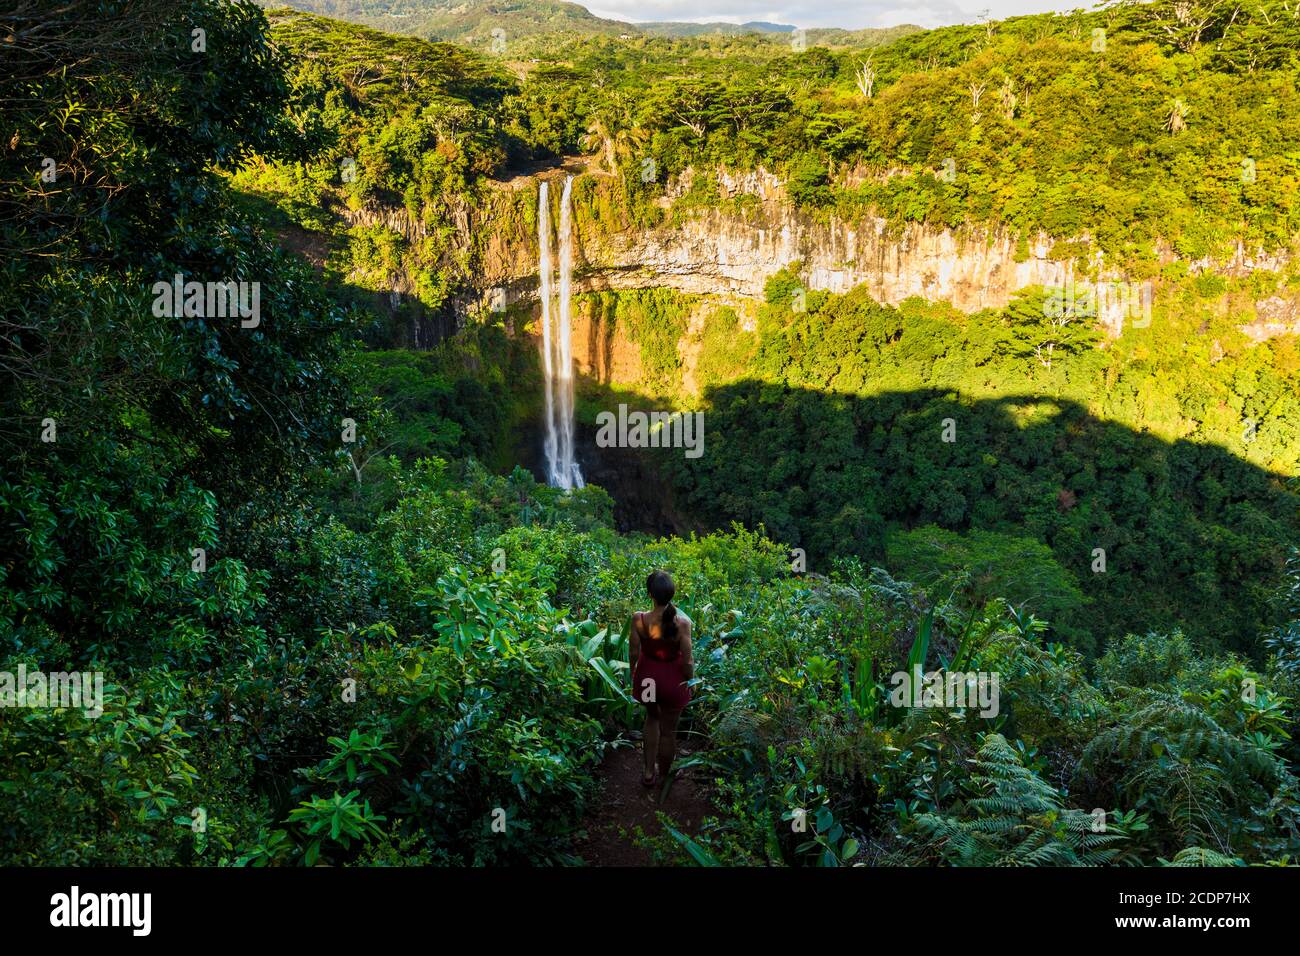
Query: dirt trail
{"points": [[624, 804]]}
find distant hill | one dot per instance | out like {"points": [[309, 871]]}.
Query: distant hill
{"points": [[871, 36], [782, 32], [469, 22], [673, 28]]}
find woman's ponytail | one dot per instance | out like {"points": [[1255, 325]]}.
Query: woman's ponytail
{"points": [[668, 625], [659, 585]]}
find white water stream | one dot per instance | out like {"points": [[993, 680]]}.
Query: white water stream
{"points": [[557, 353]]}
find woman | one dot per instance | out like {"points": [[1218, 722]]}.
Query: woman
{"points": [[661, 665]]}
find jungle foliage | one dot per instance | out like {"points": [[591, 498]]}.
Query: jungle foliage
{"points": [[328, 634]]}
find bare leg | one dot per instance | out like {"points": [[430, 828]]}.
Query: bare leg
{"points": [[650, 738], [667, 740]]}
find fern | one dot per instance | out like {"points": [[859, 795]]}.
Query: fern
{"points": [[900, 595], [1284, 644], [1018, 819], [1199, 856], [1173, 757]]}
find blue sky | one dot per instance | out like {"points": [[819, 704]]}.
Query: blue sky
{"points": [[827, 13]]}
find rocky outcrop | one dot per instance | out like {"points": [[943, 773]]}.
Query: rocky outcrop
{"points": [[728, 252], [731, 252], [715, 252], [1276, 316]]}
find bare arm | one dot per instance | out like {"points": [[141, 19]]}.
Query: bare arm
{"points": [[633, 652], [688, 655]]}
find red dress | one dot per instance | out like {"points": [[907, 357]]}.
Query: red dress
{"points": [[661, 663]]}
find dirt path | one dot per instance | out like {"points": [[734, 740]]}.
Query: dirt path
{"points": [[624, 805]]}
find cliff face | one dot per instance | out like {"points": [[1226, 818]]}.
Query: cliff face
{"points": [[730, 254], [721, 252], [733, 254], [714, 252]]}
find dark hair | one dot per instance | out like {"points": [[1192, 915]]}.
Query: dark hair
{"points": [[659, 585]]}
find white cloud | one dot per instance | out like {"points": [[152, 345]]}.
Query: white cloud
{"points": [[835, 13]]}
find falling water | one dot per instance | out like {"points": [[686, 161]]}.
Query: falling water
{"points": [[544, 268], [557, 354]]}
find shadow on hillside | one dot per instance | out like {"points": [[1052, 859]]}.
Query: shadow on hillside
{"points": [[524, 173], [1194, 536], [399, 319]]}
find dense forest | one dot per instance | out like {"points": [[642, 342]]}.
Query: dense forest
{"points": [[341, 620]]}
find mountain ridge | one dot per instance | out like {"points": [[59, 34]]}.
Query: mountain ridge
{"points": [[481, 21]]}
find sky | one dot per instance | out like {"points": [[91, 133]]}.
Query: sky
{"points": [[827, 13]]}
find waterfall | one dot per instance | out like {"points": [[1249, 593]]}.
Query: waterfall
{"points": [[557, 354], [544, 268]]}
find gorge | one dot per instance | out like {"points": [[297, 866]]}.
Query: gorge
{"points": [[360, 577]]}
